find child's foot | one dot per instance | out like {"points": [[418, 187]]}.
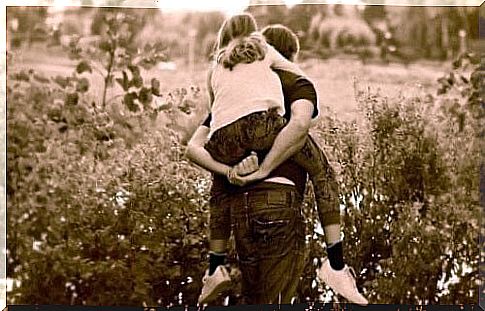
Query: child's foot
{"points": [[214, 284], [341, 281]]}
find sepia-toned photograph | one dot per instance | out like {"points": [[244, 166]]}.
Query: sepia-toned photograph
{"points": [[221, 153]]}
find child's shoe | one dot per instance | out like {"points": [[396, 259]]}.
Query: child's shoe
{"points": [[214, 284], [341, 281]]}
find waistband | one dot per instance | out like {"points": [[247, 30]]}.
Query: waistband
{"points": [[271, 186], [267, 191]]}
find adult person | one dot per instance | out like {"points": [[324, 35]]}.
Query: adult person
{"points": [[267, 220]]}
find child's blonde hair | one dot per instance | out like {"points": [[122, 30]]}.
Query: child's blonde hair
{"points": [[243, 50], [239, 25]]}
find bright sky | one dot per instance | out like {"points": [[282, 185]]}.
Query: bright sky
{"points": [[227, 6], [231, 6]]}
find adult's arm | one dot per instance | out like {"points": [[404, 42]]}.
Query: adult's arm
{"points": [[291, 138], [288, 141]]}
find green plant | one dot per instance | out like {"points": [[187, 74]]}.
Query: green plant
{"points": [[409, 173], [102, 196], [75, 163], [115, 55]]}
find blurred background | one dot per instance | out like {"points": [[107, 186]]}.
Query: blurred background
{"points": [[368, 32], [103, 209], [412, 33], [356, 34]]}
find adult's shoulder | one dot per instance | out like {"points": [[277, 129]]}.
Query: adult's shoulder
{"points": [[292, 80], [288, 75], [296, 87]]}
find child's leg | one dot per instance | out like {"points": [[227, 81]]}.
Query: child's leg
{"points": [[225, 147], [259, 135], [227, 144], [334, 271], [219, 233], [325, 186], [216, 278], [217, 254]]}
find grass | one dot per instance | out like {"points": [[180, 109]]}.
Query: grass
{"points": [[334, 78]]}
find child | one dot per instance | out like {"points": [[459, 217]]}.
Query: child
{"points": [[247, 94]]}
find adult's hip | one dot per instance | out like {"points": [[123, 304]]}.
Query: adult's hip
{"points": [[269, 231]]}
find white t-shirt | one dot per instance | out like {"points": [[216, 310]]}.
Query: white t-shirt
{"points": [[248, 88]]}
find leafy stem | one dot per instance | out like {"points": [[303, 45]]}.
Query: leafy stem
{"points": [[109, 72]]}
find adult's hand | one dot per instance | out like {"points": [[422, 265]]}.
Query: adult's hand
{"points": [[248, 165], [238, 180]]}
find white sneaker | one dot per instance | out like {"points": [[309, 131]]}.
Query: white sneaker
{"points": [[341, 281], [214, 284]]}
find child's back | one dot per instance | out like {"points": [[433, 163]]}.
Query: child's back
{"points": [[243, 82], [245, 89]]}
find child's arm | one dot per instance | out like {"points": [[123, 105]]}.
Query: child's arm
{"points": [[278, 61], [199, 155], [288, 142], [195, 147], [209, 87]]}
